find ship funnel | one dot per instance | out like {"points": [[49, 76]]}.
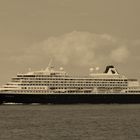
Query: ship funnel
{"points": [[111, 70]]}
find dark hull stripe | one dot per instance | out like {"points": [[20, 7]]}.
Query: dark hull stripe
{"points": [[70, 98]]}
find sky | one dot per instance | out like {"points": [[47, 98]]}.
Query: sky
{"points": [[76, 34]]}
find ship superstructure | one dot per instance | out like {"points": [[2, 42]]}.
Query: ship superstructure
{"points": [[51, 81]]}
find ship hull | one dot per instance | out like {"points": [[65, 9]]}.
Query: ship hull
{"points": [[69, 98]]}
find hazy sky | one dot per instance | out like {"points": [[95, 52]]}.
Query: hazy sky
{"points": [[77, 34]]}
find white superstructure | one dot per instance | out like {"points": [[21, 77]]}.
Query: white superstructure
{"points": [[58, 81]]}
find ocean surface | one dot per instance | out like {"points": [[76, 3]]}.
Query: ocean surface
{"points": [[70, 122]]}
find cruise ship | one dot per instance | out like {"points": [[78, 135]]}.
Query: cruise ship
{"points": [[56, 86]]}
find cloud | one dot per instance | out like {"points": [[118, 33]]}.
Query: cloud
{"points": [[78, 49], [119, 54]]}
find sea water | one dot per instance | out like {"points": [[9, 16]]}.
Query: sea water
{"points": [[70, 122]]}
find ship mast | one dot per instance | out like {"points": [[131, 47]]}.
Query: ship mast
{"points": [[49, 65]]}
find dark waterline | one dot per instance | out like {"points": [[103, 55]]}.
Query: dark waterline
{"points": [[70, 122]]}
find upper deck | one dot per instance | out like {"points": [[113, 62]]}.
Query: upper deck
{"points": [[58, 80]]}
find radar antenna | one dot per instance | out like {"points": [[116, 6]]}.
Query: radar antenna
{"points": [[97, 69]]}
